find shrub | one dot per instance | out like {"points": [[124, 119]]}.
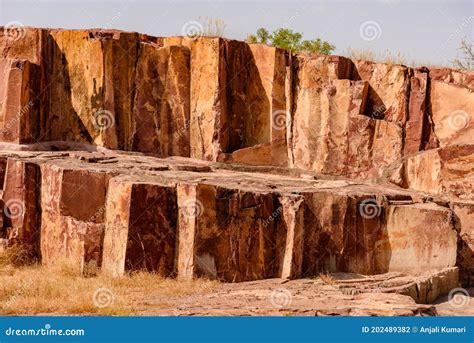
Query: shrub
{"points": [[290, 40]]}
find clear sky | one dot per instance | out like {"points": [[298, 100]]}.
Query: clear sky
{"points": [[425, 31]]}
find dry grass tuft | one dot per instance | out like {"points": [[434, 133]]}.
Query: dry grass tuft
{"points": [[327, 279], [213, 27], [60, 289], [387, 56], [16, 256]]}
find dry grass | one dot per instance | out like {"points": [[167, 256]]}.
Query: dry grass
{"points": [[213, 27], [15, 256], [60, 289], [327, 279], [384, 57]]}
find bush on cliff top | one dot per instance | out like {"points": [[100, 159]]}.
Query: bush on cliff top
{"points": [[290, 40]]}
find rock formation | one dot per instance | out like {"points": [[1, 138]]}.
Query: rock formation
{"points": [[208, 157]]}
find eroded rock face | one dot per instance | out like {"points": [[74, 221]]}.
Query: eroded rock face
{"points": [[453, 119], [389, 88], [140, 231], [233, 238], [416, 238], [21, 205], [241, 162], [443, 171], [463, 214], [125, 212], [27, 46], [19, 107], [419, 134], [161, 105], [72, 214], [231, 96]]}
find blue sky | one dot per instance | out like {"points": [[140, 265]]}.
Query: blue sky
{"points": [[424, 31]]}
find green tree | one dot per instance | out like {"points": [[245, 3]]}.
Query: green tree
{"points": [[290, 40], [263, 35]]}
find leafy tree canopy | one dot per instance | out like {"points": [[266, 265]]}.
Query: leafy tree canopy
{"points": [[290, 40]]}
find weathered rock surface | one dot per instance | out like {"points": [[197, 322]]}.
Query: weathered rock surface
{"points": [[140, 232], [445, 172], [208, 157], [19, 108], [72, 213], [342, 295]]}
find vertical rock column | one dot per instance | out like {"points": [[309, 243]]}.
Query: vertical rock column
{"points": [[19, 105], [340, 232], [227, 234], [268, 116], [73, 214], [312, 76], [22, 211], [162, 99], [464, 223], [418, 130], [387, 104], [208, 122], [90, 77], [238, 100], [140, 231], [292, 224]]}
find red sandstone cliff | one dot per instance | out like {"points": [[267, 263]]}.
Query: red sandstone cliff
{"points": [[317, 123]]}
